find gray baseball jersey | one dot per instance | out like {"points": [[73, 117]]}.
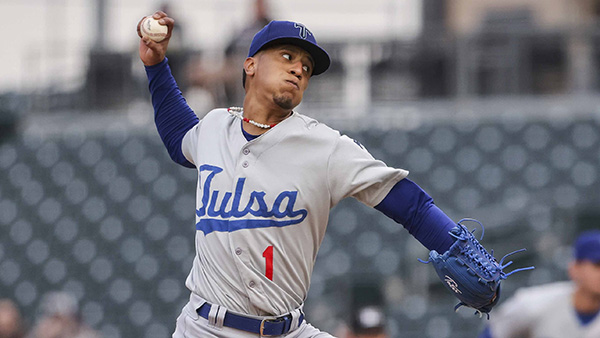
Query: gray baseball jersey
{"points": [[544, 311], [263, 206]]}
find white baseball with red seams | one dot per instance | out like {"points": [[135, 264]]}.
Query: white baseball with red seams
{"points": [[151, 28]]}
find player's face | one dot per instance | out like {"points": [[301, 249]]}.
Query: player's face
{"points": [[283, 72], [587, 275]]}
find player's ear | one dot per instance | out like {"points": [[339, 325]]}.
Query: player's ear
{"points": [[573, 271], [250, 66]]}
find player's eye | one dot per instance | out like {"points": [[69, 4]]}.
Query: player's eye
{"points": [[287, 56], [305, 68]]}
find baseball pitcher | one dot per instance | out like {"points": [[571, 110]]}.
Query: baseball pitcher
{"points": [[267, 179]]}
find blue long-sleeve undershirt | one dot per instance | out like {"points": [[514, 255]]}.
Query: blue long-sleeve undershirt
{"points": [[172, 115], [412, 207]]}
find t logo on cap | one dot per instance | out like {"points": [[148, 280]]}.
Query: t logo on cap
{"points": [[303, 30]]}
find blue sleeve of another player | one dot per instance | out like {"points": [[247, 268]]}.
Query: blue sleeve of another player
{"points": [[412, 207], [172, 115]]}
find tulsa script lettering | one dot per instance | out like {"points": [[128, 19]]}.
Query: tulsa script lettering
{"points": [[226, 206]]}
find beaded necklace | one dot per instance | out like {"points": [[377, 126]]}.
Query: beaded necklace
{"points": [[239, 111]]}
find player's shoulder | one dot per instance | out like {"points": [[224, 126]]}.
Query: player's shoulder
{"points": [[321, 130], [534, 301], [310, 124], [546, 292], [217, 116]]}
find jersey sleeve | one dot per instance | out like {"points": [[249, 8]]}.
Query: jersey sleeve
{"points": [[189, 143], [352, 171]]}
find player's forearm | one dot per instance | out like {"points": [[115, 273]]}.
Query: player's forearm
{"points": [[412, 207], [172, 115]]}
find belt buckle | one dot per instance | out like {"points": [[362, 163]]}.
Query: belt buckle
{"points": [[262, 326]]}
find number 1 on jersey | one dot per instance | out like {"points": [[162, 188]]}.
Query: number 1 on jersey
{"points": [[268, 255]]}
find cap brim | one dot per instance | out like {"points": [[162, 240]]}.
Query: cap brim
{"points": [[319, 55]]}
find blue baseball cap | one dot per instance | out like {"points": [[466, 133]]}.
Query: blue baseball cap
{"points": [[587, 246], [293, 33]]}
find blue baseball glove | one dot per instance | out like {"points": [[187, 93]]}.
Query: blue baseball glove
{"points": [[471, 273]]}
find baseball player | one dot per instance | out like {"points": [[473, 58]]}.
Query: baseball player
{"points": [[267, 179], [560, 309]]}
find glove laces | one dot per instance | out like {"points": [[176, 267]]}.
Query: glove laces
{"points": [[470, 252], [475, 250]]}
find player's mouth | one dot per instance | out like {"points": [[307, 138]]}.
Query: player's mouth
{"points": [[293, 83]]}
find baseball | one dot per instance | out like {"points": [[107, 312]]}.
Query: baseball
{"points": [[152, 29]]}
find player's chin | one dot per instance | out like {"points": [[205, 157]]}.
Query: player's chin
{"points": [[287, 100]]}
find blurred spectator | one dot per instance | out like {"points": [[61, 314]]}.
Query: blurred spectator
{"points": [[225, 82], [60, 319], [556, 310], [367, 318], [11, 322], [368, 322]]}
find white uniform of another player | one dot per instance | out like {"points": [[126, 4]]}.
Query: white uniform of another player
{"points": [[542, 312], [263, 206]]}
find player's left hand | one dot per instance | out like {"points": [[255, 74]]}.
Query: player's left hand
{"points": [[471, 273], [152, 52]]}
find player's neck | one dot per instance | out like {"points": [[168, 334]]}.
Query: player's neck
{"points": [[586, 302], [268, 114]]}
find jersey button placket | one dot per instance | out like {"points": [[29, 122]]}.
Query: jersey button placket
{"points": [[245, 163]]}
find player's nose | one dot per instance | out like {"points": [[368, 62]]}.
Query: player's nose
{"points": [[296, 69]]}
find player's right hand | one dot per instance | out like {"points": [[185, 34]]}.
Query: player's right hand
{"points": [[152, 52]]}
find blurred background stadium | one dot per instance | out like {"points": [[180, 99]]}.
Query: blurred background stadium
{"points": [[493, 105]]}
